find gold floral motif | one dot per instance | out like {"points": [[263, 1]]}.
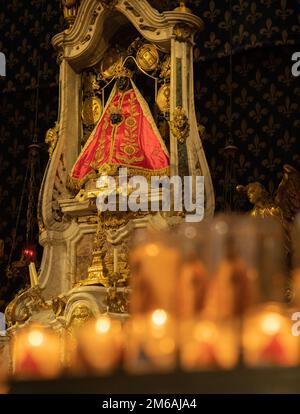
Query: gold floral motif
{"points": [[129, 145], [180, 126], [100, 154]]}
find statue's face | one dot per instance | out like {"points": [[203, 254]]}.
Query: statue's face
{"points": [[123, 83], [254, 192], [181, 121]]}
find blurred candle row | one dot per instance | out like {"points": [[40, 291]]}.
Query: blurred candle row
{"points": [[205, 296]]}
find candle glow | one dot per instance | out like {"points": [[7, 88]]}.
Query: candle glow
{"points": [[271, 324], [103, 325], [159, 318], [35, 338]]}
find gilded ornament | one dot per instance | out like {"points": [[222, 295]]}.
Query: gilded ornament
{"points": [[70, 10], [264, 205], [180, 126], [117, 293], [91, 110], [163, 98], [182, 7], [90, 84], [96, 272], [80, 315], [51, 138], [58, 305], [24, 305], [285, 204], [123, 74], [117, 300], [111, 60], [165, 71], [42, 227], [182, 32], [148, 57]]}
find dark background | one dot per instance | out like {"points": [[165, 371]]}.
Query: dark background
{"points": [[265, 111]]}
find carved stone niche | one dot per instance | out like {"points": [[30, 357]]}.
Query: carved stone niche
{"points": [[67, 225]]}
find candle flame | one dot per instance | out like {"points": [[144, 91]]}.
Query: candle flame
{"points": [[35, 338], [271, 323], [159, 317], [103, 325]]}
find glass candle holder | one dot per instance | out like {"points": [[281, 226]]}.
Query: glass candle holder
{"points": [[155, 264], [73, 364], [100, 345], [293, 312], [267, 328], [268, 338], [193, 276], [208, 344], [270, 260], [296, 264], [233, 277], [151, 343], [4, 366], [36, 353]]}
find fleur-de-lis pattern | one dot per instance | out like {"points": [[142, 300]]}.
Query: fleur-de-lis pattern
{"points": [[26, 29], [265, 115]]}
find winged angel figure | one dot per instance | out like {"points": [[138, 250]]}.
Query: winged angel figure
{"points": [[286, 203]]}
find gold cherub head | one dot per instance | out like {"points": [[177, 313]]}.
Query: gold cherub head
{"points": [[180, 124], [255, 192]]}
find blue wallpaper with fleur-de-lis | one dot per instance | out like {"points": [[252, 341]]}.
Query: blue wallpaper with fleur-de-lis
{"points": [[265, 114]]}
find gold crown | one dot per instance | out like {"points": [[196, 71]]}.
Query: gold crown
{"points": [[122, 71]]}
